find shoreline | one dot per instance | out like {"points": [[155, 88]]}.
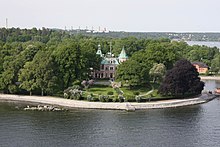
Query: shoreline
{"points": [[210, 77], [110, 105]]}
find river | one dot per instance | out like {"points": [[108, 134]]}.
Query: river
{"points": [[197, 126]]}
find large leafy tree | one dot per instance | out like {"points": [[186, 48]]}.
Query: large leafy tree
{"points": [[215, 65], [27, 77], [182, 79], [131, 73], [13, 63], [39, 74], [45, 72], [67, 57], [157, 71]]}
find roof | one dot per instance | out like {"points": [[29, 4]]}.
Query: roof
{"points": [[123, 54], [200, 64], [99, 51], [110, 61]]}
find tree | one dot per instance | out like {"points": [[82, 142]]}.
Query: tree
{"points": [[215, 66], [66, 57], [14, 63], [44, 71], [130, 73], [157, 71], [27, 77], [39, 74], [182, 79]]}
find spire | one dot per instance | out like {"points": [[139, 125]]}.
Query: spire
{"points": [[122, 56], [99, 51], [110, 47]]}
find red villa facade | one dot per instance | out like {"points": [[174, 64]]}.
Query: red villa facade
{"points": [[109, 64]]}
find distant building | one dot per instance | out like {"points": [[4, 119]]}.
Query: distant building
{"points": [[109, 64], [201, 67]]}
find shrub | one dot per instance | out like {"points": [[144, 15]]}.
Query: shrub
{"points": [[136, 93], [138, 99], [115, 99], [104, 98], [90, 97], [110, 93], [121, 98], [95, 99], [129, 98], [118, 91], [76, 82], [73, 93]]}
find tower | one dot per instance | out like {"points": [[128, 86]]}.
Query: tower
{"points": [[122, 56], [99, 51]]}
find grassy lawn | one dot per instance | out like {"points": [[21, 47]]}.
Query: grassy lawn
{"points": [[147, 93], [141, 90], [103, 90]]}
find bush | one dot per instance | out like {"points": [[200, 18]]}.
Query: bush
{"points": [[115, 99], [95, 99], [77, 82], [136, 93], [118, 91], [104, 98], [129, 98], [110, 93], [73, 93], [90, 97], [138, 99], [121, 98]]}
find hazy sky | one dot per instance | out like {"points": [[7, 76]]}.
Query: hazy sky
{"points": [[124, 15]]}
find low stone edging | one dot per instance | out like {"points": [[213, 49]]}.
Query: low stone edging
{"points": [[109, 105]]}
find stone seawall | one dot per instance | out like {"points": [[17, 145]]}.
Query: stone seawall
{"points": [[111, 105]]}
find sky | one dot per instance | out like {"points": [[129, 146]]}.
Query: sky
{"points": [[114, 15]]}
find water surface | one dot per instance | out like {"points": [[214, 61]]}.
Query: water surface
{"points": [[191, 126]]}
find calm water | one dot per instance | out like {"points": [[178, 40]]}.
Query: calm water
{"points": [[211, 85], [207, 43], [192, 126]]}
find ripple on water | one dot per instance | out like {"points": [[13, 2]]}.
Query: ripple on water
{"points": [[185, 126]]}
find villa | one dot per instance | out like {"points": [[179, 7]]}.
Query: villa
{"points": [[109, 64], [201, 67]]}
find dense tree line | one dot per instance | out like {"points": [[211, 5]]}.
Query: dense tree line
{"points": [[152, 35], [45, 61]]}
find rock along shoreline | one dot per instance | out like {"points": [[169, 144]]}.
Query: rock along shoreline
{"points": [[108, 105]]}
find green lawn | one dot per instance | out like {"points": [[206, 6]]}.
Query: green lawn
{"points": [[100, 90], [103, 90], [147, 92]]}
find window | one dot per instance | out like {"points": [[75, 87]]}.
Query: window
{"points": [[102, 66], [111, 68], [111, 75]]}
